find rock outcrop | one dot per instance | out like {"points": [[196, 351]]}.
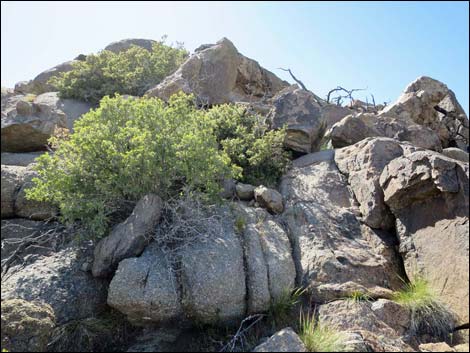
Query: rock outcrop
{"points": [[335, 254], [299, 111], [219, 74], [363, 164], [429, 102], [59, 281], [428, 194], [357, 127], [427, 115], [253, 260], [29, 121], [391, 202]]}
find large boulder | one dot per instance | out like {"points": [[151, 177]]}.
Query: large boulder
{"points": [[335, 254], [15, 181], [238, 264], [219, 74], [357, 127], [59, 281], [29, 121], [40, 84], [270, 269], [125, 44], [285, 340], [127, 239], [213, 277], [26, 326], [145, 288], [363, 163], [359, 317], [428, 194], [429, 102], [186, 283], [299, 110]]}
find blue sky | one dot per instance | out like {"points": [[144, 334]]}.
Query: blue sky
{"points": [[381, 46]]}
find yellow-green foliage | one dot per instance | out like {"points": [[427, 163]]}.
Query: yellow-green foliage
{"points": [[240, 224], [281, 307], [256, 151], [132, 72], [320, 338], [358, 296], [428, 314], [125, 149]]}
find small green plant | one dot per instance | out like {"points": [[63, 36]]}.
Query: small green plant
{"points": [[325, 145], [359, 296], [281, 307], [320, 338], [132, 72], [428, 314], [240, 224]]}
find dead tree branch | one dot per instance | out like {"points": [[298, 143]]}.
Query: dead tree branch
{"points": [[240, 335], [294, 78], [46, 237], [339, 98], [454, 124], [318, 99]]}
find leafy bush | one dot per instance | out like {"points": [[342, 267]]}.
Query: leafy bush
{"points": [[428, 314], [125, 149], [131, 72], [258, 153], [320, 338]]}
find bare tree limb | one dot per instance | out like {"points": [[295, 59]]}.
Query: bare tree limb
{"points": [[318, 99], [239, 337], [294, 78], [348, 95]]}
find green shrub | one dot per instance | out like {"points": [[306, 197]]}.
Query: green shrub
{"points": [[281, 307], [257, 152], [428, 314], [125, 149], [320, 338], [131, 72]]}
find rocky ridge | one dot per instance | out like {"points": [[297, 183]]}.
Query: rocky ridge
{"points": [[390, 201]]}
